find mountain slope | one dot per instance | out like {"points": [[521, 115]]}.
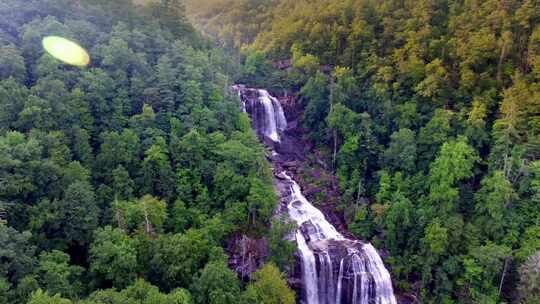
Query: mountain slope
{"points": [[122, 181], [429, 111]]}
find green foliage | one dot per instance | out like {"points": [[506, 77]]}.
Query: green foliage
{"points": [[269, 287], [139, 292], [492, 200], [439, 96], [435, 85], [398, 223], [4, 291], [17, 254], [343, 120], [178, 257], [436, 239], [307, 64], [25, 288], [147, 214], [530, 243], [57, 276], [435, 133], [156, 170], [217, 284], [113, 257], [401, 153], [69, 220], [255, 69], [529, 287], [482, 268], [148, 139], [318, 107], [122, 183], [361, 223], [454, 163], [12, 63], [281, 249], [41, 297], [261, 201]]}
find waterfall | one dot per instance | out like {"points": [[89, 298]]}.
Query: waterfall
{"points": [[335, 270], [364, 272], [267, 116], [274, 116], [309, 269]]}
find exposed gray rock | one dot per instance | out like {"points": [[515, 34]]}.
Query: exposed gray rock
{"points": [[247, 255]]}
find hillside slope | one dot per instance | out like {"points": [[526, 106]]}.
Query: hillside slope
{"points": [[429, 111], [122, 181]]}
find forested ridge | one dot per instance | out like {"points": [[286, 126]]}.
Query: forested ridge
{"points": [[428, 111], [121, 182]]}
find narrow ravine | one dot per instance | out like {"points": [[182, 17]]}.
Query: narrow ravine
{"points": [[334, 269]]}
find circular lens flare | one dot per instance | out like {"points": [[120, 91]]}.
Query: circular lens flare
{"points": [[66, 51]]}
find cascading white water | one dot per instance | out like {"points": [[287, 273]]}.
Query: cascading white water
{"points": [[335, 270], [267, 116], [301, 211], [371, 280], [340, 282], [309, 269], [381, 276], [274, 116]]}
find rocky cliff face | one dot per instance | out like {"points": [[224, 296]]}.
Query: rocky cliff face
{"points": [[246, 255]]}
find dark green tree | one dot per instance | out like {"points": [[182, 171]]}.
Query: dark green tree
{"points": [[17, 254]]}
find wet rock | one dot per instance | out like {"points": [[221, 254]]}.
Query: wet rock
{"points": [[291, 164], [280, 176], [247, 255], [311, 191]]}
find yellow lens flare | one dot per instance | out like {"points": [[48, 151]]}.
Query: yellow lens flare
{"points": [[66, 51]]}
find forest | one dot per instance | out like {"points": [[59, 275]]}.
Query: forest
{"points": [[121, 182], [429, 112]]}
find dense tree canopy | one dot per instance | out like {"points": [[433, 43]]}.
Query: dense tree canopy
{"points": [[121, 181], [428, 111]]}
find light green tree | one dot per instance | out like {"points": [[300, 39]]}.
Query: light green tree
{"points": [[41, 297], [113, 257], [269, 287], [454, 163], [57, 276]]}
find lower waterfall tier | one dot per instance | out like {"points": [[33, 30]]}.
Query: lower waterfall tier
{"points": [[334, 269], [348, 272]]}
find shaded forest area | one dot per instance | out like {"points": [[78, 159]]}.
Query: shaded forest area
{"points": [[429, 111], [122, 181]]}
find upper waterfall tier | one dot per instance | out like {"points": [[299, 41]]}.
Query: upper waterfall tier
{"points": [[267, 117]]}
